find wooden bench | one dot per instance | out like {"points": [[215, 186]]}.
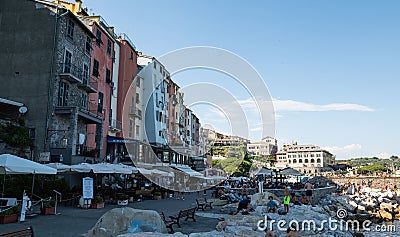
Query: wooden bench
{"points": [[188, 213], [168, 223], [27, 232], [202, 204]]}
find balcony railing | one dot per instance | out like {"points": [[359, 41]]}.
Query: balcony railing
{"points": [[116, 125], [135, 112], [90, 86], [70, 72], [123, 36]]}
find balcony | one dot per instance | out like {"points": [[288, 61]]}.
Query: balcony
{"points": [[70, 72], [135, 112], [90, 114], [90, 86], [115, 125]]}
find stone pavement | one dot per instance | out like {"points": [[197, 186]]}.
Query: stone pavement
{"points": [[73, 221]]}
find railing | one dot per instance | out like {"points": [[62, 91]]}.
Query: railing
{"points": [[72, 70], [134, 111], [116, 124], [123, 36], [91, 108], [89, 85]]}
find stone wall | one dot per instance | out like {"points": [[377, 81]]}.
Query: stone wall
{"points": [[377, 182]]}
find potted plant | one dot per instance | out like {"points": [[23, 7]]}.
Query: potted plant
{"points": [[123, 200], [48, 207], [98, 202], [157, 195], [9, 216]]}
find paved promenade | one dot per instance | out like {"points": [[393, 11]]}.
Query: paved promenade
{"points": [[73, 221]]}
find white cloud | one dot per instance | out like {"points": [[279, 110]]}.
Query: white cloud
{"points": [[291, 105], [256, 129], [345, 152]]}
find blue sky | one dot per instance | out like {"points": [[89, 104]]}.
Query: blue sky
{"points": [[313, 55]]}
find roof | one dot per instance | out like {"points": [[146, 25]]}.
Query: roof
{"points": [[68, 12]]}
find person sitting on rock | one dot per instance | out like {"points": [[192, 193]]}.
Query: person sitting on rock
{"points": [[293, 199], [243, 204], [233, 196], [303, 200], [272, 206], [292, 231]]}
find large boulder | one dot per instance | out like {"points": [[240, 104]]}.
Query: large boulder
{"points": [[127, 220], [229, 208], [261, 199]]}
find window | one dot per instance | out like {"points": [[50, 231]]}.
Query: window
{"points": [[318, 160], [157, 104], [159, 133], [108, 76], [70, 29], [312, 161], [108, 47], [95, 68], [131, 57], [306, 161], [63, 92], [139, 112], [137, 82], [100, 103], [85, 76], [67, 61], [155, 65], [137, 130], [84, 100], [88, 45], [137, 98], [160, 69], [130, 127], [98, 37]]}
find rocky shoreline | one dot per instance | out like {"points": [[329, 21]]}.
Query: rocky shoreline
{"points": [[335, 216]]}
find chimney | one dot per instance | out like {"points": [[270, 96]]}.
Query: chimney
{"points": [[78, 6]]}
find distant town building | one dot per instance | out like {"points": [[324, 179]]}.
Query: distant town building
{"points": [[266, 147], [308, 159]]}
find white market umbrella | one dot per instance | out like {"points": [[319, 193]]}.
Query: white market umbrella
{"points": [[124, 169], [60, 167], [102, 168], [290, 171], [82, 168], [11, 164]]}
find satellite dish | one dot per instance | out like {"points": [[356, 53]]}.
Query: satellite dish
{"points": [[23, 109]]}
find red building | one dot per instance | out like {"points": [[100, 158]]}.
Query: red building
{"points": [[102, 67]]}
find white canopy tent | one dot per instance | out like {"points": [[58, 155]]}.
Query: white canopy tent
{"points": [[187, 170], [60, 167], [82, 168], [11, 164], [290, 171]]}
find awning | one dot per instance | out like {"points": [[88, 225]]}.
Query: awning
{"points": [[11, 164], [187, 170], [60, 167]]}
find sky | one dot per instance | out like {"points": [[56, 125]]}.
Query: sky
{"points": [[332, 68]]}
